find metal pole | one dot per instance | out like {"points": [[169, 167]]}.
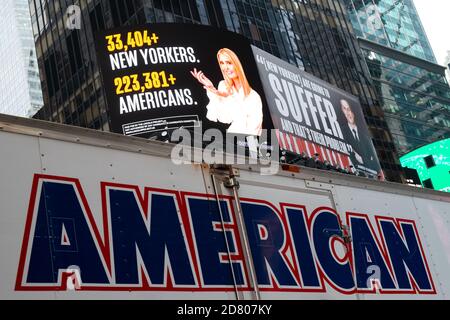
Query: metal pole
{"points": [[245, 244], [213, 178]]}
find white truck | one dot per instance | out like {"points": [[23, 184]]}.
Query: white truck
{"points": [[94, 215]]}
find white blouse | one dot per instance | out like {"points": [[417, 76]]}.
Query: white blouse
{"points": [[244, 113]]}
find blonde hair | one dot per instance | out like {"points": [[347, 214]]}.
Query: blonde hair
{"points": [[239, 71]]}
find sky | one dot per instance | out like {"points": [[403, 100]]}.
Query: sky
{"points": [[435, 17]]}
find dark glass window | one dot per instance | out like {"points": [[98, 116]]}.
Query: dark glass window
{"points": [[96, 18], [215, 13], [51, 75], [428, 184], [74, 50], [429, 161], [114, 12]]}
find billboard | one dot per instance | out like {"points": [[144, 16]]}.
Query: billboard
{"points": [[314, 117], [432, 163], [160, 77]]}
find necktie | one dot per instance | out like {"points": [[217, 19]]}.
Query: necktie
{"points": [[355, 134]]}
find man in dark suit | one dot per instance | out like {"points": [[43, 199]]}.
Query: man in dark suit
{"points": [[363, 153]]}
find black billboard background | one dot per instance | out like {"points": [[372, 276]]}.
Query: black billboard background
{"points": [[206, 42], [296, 135]]}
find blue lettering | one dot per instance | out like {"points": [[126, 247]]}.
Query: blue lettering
{"points": [[211, 243], [364, 248], [405, 252], [303, 250], [62, 238], [161, 235], [326, 225], [266, 249]]}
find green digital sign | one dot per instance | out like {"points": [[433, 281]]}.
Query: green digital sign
{"points": [[432, 163]]}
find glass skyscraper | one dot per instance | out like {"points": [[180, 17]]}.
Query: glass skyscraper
{"points": [[414, 94], [20, 85], [447, 64], [391, 23], [412, 88], [314, 35]]}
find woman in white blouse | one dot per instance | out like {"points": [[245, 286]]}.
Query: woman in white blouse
{"points": [[234, 101]]}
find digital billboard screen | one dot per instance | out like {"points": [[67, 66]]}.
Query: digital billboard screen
{"points": [[314, 117], [160, 77]]}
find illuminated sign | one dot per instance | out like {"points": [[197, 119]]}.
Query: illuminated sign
{"points": [[432, 163], [313, 117], [161, 77]]}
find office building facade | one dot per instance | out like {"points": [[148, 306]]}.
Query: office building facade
{"points": [[20, 85], [447, 64], [413, 90], [314, 35], [390, 23], [414, 94]]}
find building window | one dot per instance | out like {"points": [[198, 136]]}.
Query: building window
{"points": [[428, 184], [429, 161]]}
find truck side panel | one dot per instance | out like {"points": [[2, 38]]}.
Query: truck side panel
{"points": [[84, 216]]}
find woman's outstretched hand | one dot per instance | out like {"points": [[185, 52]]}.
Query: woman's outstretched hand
{"points": [[207, 84], [200, 76]]}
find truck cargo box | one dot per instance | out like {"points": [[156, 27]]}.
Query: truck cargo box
{"points": [[94, 215]]}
